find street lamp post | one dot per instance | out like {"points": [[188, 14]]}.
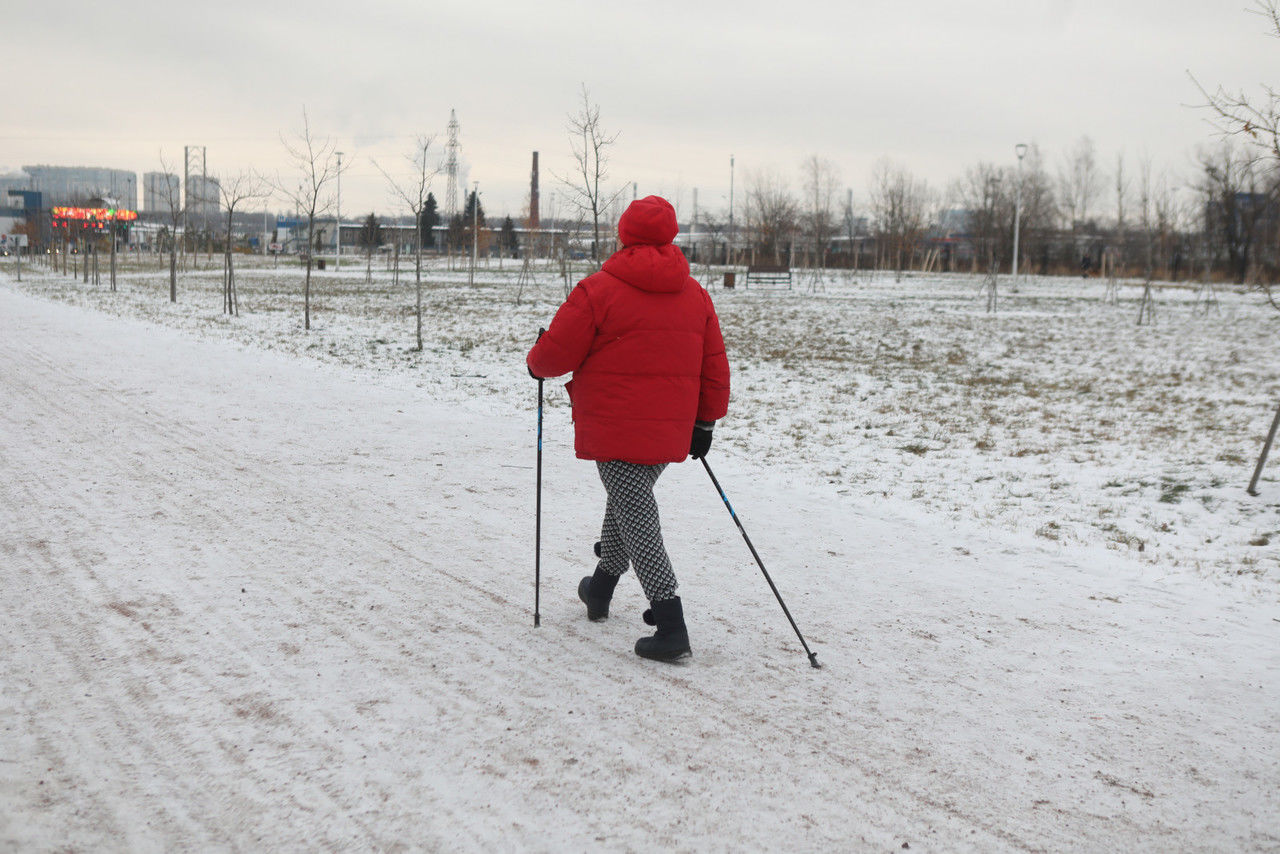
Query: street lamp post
{"points": [[475, 230], [1021, 150], [337, 231], [112, 220], [729, 251]]}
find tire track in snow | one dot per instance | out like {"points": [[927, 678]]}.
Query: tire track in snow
{"points": [[207, 523], [52, 571], [191, 451], [232, 638]]}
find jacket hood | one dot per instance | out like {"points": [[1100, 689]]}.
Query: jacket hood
{"points": [[650, 221], [658, 269]]}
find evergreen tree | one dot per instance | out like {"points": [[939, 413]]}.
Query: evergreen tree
{"points": [[474, 211], [472, 215], [371, 233], [430, 219], [510, 242]]}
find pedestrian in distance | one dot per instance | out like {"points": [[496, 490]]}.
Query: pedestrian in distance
{"points": [[650, 379]]}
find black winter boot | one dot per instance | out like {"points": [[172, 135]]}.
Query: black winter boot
{"points": [[596, 591], [671, 641]]}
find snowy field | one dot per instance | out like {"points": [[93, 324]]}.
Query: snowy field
{"points": [[1057, 415], [272, 590]]}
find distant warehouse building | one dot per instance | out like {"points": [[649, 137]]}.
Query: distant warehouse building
{"points": [[69, 185]]}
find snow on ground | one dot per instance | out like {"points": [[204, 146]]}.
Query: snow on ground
{"points": [[257, 601], [1057, 415]]}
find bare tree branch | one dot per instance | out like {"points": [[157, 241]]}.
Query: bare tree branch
{"points": [[171, 193], [821, 182], [244, 186], [771, 211], [1079, 182], [413, 192], [1257, 120], [899, 203], [317, 167], [1237, 114], [589, 142]]}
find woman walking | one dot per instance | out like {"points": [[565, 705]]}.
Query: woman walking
{"points": [[650, 379]]}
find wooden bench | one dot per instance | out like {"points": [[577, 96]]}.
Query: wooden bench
{"points": [[767, 274]]}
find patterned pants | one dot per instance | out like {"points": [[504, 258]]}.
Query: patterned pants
{"points": [[631, 531]]}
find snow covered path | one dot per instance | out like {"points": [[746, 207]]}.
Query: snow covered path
{"points": [[251, 602]]}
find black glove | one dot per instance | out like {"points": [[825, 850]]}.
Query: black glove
{"points": [[700, 443], [529, 369]]}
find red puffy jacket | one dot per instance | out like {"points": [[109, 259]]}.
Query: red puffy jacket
{"points": [[643, 341]]}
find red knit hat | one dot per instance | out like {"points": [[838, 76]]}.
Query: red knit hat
{"points": [[650, 221]]}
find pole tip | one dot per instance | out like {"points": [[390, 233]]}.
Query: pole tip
{"points": [[813, 660], [537, 621]]}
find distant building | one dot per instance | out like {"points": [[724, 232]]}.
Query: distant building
{"points": [[1243, 213], [955, 222], [13, 181], [157, 188], [68, 185], [9, 207], [11, 212], [203, 196]]}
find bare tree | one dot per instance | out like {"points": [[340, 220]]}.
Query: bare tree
{"points": [[1039, 205], [715, 231], [821, 184], [317, 166], [590, 143], [1121, 185], [1079, 181], [235, 191], [1255, 118], [1146, 213], [986, 192], [414, 192], [899, 203], [1168, 219], [1239, 198], [771, 212], [370, 239], [171, 195]]}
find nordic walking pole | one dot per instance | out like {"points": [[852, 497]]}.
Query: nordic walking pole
{"points": [[537, 548], [813, 656], [1262, 458], [537, 537]]}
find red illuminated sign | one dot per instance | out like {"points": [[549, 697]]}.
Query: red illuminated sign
{"points": [[95, 214]]}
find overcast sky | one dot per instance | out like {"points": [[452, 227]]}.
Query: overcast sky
{"points": [[936, 86]]}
